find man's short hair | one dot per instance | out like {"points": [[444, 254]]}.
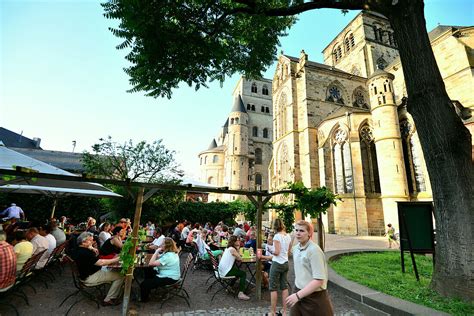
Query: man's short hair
{"points": [[83, 236], [3, 236]]}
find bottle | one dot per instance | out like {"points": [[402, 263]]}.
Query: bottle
{"points": [[251, 252]]}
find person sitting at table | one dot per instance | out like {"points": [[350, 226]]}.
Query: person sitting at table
{"points": [[40, 243], [193, 233], [45, 231], [212, 240], [104, 234], [7, 263], [23, 249], [57, 233], [202, 246], [252, 243], [224, 233], [227, 268], [158, 241], [167, 270], [89, 266], [113, 245]]}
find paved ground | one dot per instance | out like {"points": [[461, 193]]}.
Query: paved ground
{"points": [[46, 301]]}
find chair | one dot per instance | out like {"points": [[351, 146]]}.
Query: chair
{"points": [[3, 298], [177, 289], [93, 293], [199, 262], [226, 282]]}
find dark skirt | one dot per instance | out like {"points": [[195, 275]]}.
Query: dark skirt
{"points": [[317, 303]]}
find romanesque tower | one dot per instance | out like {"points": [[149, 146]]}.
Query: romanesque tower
{"points": [[388, 143], [237, 160]]}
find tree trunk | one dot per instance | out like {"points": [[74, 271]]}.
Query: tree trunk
{"points": [[446, 145]]}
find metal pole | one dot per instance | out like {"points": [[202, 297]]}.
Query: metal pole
{"points": [[258, 291], [129, 275]]}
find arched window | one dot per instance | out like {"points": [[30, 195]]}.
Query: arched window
{"points": [[215, 159], [253, 107], [265, 90], [413, 164], [254, 87], [205, 160], [339, 52], [255, 131], [359, 98], [352, 40], [281, 123], [334, 55], [236, 120], [342, 162], [334, 94], [248, 106], [267, 110], [262, 109], [210, 180], [258, 179], [265, 133], [347, 44], [369, 160], [200, 161], [258, 156], [283, 166], [232, 121]]}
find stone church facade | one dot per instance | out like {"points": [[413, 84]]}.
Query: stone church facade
{"points": [[344, 124], [239, 156]]}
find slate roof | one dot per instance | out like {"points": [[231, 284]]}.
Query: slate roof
{"points": [[238, 105], [319, 65], [61, 159], [12, 139], [212, 145]]}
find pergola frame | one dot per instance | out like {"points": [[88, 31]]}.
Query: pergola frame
{"points": [[258, 198]]}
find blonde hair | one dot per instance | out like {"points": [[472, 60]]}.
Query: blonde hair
{"points": [[307, 225], [169, 245], [278, 225]]}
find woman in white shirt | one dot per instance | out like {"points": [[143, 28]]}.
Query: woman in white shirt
{"points": [[279, 269], [227, 268], [105, 233]]}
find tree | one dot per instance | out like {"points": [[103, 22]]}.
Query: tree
{"points": [[197, 41], [151, 163]]}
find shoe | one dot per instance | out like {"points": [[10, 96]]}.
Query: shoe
{"points": [[243, 297], [112, 302]]}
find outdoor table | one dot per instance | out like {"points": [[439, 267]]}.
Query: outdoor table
{"points": [[146, 264], [248, 262]]}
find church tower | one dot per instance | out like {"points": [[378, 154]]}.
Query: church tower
{"points": [[388, 143], [237, 156]]}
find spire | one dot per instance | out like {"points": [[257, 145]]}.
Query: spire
{"points": [[238, 105], [212, 145], [226, 124]]}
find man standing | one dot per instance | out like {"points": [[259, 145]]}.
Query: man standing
{"points": [[13, 212], [7, 263], [90, 272]]}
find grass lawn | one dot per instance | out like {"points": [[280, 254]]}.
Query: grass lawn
{"points": [[382, 271]]}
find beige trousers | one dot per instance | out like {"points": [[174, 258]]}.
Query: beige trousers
{"points": [[101, 277]]}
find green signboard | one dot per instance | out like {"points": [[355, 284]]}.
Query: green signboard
{"points": [[416, 226]]}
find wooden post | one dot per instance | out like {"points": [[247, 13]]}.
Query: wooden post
{"points": [[129, 275], [55, 203], [320, 232]]}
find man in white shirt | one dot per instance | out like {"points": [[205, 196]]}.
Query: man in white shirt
{"points": [[239, 232], [159, 239], [40, 243], [45, 231]]}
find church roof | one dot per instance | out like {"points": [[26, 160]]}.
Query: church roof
{"points": [[342, 112], [380, 72], [319, 65], [238, 105], [226, 124], [213, 150], [212, 145]]}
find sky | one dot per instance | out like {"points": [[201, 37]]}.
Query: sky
{"points": [[62, 79]]}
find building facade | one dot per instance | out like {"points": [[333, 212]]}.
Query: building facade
{"points": [[344, 124], [239, 156]]}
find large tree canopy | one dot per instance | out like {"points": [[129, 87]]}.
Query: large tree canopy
{"points": [[200, 40]]}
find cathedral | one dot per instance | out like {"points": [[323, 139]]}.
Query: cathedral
{"points": [[342, 124]]}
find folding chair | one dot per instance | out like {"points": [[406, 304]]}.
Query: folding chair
{"points": [[199, 263], [93, 293], [177, 288], [3, 298], [226, 282]]}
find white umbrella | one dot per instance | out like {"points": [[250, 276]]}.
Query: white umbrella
{"points": [[10, 160]]}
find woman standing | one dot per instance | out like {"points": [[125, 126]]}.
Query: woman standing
{"points": [[311, 276], [279, 268], [226, 265], [166, 266]]}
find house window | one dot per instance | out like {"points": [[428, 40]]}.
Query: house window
{"points": [[342, 163], [254, 87], [258, 156], [265, 90], [369, 160], [215, 159], [265, 133], [255, 131], [413, 163]]}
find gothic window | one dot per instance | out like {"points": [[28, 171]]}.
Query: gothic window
{"points": [[232, 121], [359, 99], [347, 44], [253, 107], [352, 40], [236, 120], [255, 131], [215, 159], [369, 160], [265, 133], [381, 63], [334, 95], [283, 165], [265, 90], [413, 163], [342, 163], [254, 87], [258, 179], [281, 124], [334, 56], [339, 52], [258, 156]]}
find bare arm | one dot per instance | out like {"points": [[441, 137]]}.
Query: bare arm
{"points": [[106, 262], [307, 290], [277, 246], [235, 253], [154, 261]]}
